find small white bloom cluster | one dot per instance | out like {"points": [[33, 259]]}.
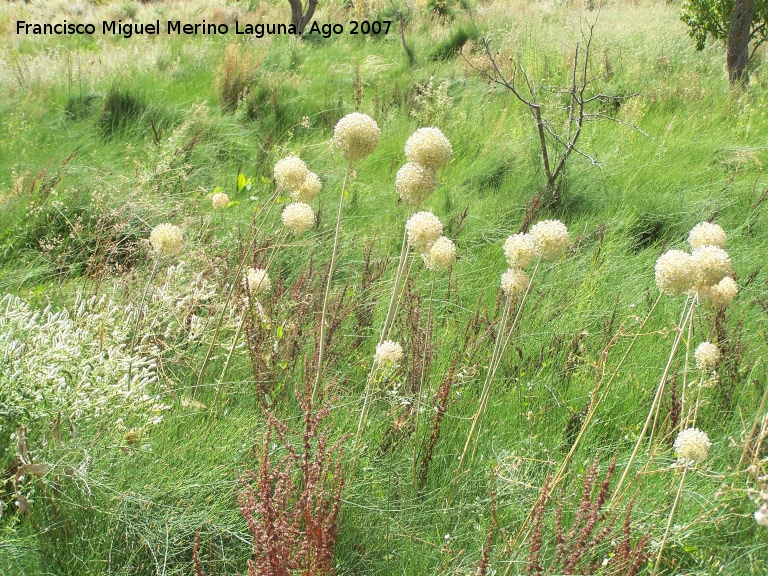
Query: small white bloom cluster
{"points": [[441, 255], [707, 356], [424, 231], [258, 281], [692, 445], [75, 362], [165, 240], [292, 174], [308, 190], [220, 201], [388, 354], [356, 136], [547, 240], [551, 238], [514, 282], [427, 151], [760, 495], [705, 271], [298, 217]]}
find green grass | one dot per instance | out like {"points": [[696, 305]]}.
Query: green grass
{"points": [[87, 174]]}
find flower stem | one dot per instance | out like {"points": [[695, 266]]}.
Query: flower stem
{"points": [[669, 521], [323, 328]]}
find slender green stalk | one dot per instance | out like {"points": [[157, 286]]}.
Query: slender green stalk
{"points": [[230, 293], [669, 522], [685, 375], [502, 340], [597, 400], [138, 320], [334, 253], [278, 245], [656, 399]]}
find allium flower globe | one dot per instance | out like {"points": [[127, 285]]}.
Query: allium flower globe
{"points": [[258, 281], [298, 217], [514, 282], [166, 240], [423, 229], [675, 273], [356, 136], [692, 445], [441, 255], [721, 294], [712, 264], [551, 238], [520, 250], [414, 183], [707, 233], [761, 515], [388, 353], [290, 173], [219, 201], [707, 356], [308, 190], [428, 147]]}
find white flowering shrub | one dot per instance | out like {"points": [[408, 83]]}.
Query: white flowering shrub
{"points": [[75, 362]]}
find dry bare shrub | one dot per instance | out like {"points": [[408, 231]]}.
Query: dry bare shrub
{"points": [[235, 76]]}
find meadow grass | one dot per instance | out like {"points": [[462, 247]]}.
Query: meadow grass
{"points": [[107, 138]]}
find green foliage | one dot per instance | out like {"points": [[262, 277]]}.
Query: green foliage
{"points": [[713, 18], [452, 45], [122, 107]]}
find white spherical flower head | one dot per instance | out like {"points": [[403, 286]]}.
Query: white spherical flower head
{"points": [[721, 294], [290, 173], [388, 353], [428, 147], [707, 233], [441, 255], [219, 201], [356, 136], [514, 282], [423, 229], [308, 190], [520, 250], [692, 445], [712, 263], [258, 281], [298, 217], [166, 239], [675, 273], [761, 515], [551, 238], [707, 356], [415, 182]]}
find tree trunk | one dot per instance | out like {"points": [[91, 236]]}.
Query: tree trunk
{"points": [[738, 41], [300, 20]]}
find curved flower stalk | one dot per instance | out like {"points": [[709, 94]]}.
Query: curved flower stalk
{"points": [[355, 136]]}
